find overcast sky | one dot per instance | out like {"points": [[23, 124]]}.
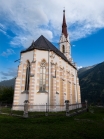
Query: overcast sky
{"points": [[22, 21]]}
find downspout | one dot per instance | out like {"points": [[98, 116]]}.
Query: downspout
{"points": [[48, 79]]}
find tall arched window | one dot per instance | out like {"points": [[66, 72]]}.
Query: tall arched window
{"points": [[42, 83], [63, 49], [27, 76]]}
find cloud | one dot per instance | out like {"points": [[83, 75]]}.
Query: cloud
{"points": [[4, 32], [12, 72], [3, 29], [8, 52], [26, 39], [79, 67], [73, 45], [4, 78], [29, 19]]}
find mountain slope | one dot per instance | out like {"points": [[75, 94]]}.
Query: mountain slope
{"points": [[8, 83], [83, 71], [92, 84]]}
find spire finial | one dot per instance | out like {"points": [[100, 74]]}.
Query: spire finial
{"points": [[64, 9]]}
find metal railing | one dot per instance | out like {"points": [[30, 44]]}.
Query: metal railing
{"points": [[28, 110]]}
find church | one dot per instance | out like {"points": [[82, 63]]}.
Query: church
{"points": [[47, 75]]}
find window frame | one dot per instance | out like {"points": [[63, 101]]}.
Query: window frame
{"points": [[63, 48], [42, 78], [27, 79]]}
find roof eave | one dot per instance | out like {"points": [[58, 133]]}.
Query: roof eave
{"points": [[49, 50]]}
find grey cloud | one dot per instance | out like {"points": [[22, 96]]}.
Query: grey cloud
{"points": [[4, 78], [11, 72]]}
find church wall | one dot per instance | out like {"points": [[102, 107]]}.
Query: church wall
{"points": [[40, 98], [27, 56], [20, 97], [64, 83], [66, 67], [17, 89], [32, 82]]}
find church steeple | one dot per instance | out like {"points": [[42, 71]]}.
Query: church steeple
{"points": [[64, 39], [64, 26]]}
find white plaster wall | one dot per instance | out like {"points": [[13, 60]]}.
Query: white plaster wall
{"points": [[40, 98], [40, 54], [23, 97], [57, 99], [27, 56], [66, 42]]}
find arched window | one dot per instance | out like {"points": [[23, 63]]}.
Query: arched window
{"points": [[63, 49], [42, 83], [27, 76]]}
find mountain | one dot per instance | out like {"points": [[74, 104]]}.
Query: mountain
{"points": [[8, 83], [82, 71], [91, 81]]}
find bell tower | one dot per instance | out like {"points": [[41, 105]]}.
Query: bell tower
{"points": [[64, 39]]}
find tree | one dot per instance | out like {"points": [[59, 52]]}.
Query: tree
{"points": [[6, 94]]}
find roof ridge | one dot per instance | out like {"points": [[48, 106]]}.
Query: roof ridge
{"points": [[46, 41], [50, 43]]}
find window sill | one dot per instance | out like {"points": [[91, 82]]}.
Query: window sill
{"points": [[42, 92], [25, 92], [31, 75], [33, 61], [57, 93], [54, 76]]}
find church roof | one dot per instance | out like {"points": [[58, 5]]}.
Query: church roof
{"points": [[43, 44]]}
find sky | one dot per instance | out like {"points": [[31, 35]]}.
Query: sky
{"points": [[22, 21]]}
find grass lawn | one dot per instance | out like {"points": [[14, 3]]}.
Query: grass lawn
{"points": [[83, 126]]}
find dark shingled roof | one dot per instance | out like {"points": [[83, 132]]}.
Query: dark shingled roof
{"points": [[43, 44]]}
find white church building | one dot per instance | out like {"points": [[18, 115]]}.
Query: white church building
{"points": [[47, 74]]}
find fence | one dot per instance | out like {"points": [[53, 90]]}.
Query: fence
{"points": [[27, 110], [47, 108]]}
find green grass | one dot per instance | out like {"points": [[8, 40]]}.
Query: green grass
{"points": [[82, 126]]}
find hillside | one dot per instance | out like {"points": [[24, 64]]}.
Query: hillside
{"points": [[92, 83], [8, 83], [82, 71]]}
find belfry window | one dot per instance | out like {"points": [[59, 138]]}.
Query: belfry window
{"points": [[63, 49], [42, 82], [27, 76]]}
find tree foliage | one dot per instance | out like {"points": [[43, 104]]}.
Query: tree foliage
{"points": [[6, 94]]}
